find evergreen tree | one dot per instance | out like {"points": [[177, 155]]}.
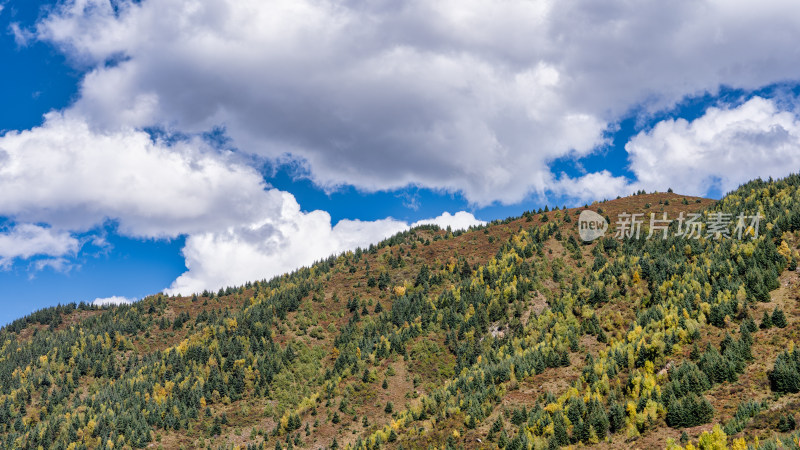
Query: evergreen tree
{"points": [[616, 417], [787, 423], [785, 375], [750, 324], [560, 430], [766, 321], [778, 318]]}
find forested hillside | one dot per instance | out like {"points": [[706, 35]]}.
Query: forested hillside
{"points": [[515, 335]]}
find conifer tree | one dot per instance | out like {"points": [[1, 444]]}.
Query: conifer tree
{"points": [[778, 318], [560, 430], [766, 321]]}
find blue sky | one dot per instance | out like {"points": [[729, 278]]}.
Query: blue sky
{"points": [[151, 146]]}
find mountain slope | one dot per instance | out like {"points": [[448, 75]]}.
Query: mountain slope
{"points": [[513, 335]]}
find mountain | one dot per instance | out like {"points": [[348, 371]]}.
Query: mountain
{"points": [[512, 335]]}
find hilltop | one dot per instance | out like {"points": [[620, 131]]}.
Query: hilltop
{"points": [[511, 335]]}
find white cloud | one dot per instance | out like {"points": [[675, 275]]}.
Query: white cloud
{"points": [[280, 244], [461, 220], [27, 240], [593, 186], [21, 36], [472, 96], [59, 264], [72, 177], [458, 95], [113, 301], [722, 149]]}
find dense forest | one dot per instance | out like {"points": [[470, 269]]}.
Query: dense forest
{"points": [[513, 335]]}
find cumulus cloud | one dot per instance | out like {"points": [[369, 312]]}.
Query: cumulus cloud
{"points": [[72, 177], [280, 244], [461, 220], [27, 240], [720, 150], [471, 96], [727, 146], [113, 301], [457, 95], [593, 186]]}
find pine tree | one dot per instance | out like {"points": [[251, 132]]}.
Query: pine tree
{"points": [[750, 324], [497, 426], [519, 416], [216, 429], [560, 430], [616, 417], [785, 375], [766, 321], [580, 431], [778, 318], [695, 353], [787, 423]]}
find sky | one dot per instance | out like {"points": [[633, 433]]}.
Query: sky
{"points": [[176, 146]]}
